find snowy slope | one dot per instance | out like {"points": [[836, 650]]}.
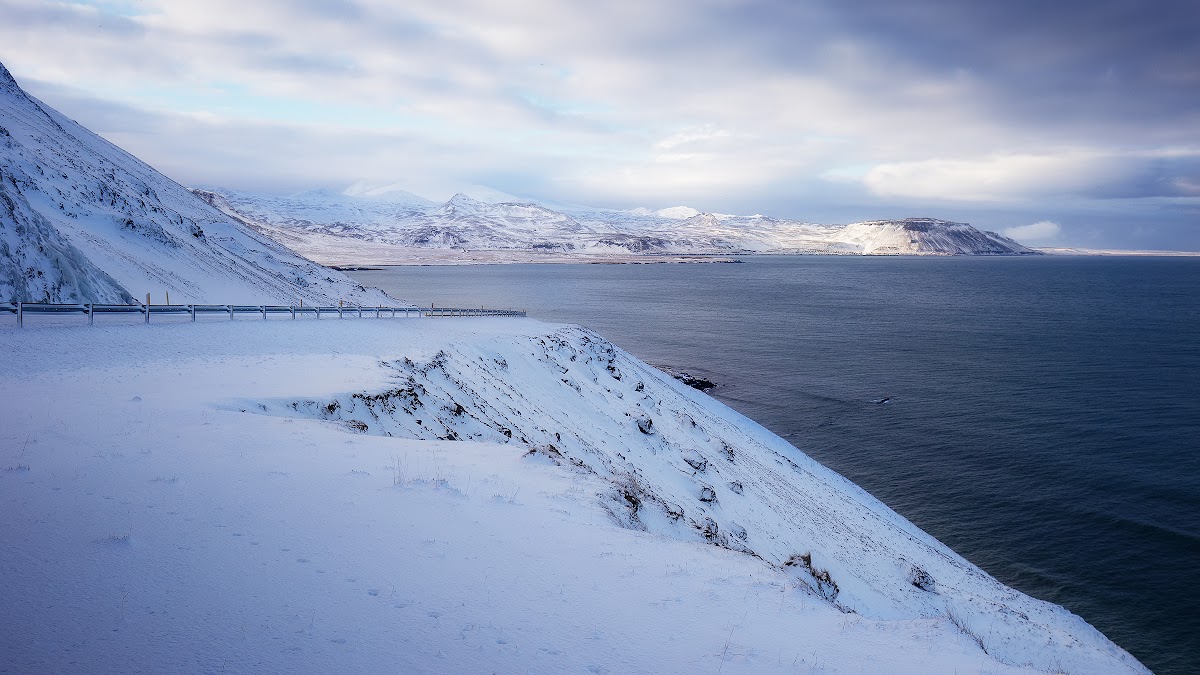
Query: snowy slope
{"points": [[38, 263], [82, 220], [320, 225], [453, 496]]}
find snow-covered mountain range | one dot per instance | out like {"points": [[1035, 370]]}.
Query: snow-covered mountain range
{"points": [[340, 228], [83, 221]]}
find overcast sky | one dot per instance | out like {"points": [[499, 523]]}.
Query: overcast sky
{"points": [[1076, 122]]}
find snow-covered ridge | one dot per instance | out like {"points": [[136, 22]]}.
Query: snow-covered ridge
{"points": [[680, 463], [320, 488], [321, 227], [82, 220]]}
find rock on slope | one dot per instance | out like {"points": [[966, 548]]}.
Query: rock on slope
{"points": [[81, 220], [320, 223], [681, 464]]}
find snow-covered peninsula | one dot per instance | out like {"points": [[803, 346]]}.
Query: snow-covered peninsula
{"points": [[414, 495]]}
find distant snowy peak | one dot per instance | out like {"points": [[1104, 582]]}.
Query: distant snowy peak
{"points": [[460, 204], [703, 219], [677, 212]]}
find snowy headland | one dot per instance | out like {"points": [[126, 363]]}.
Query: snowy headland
{"points": [[466, 495]]}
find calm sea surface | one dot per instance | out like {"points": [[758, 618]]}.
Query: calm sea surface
{"points": [[1044, 418]]}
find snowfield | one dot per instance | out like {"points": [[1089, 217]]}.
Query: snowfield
{"points": [[469, 495]]}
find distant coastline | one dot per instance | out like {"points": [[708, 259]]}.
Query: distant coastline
{"points": [[1114, 252], [409, 257]]}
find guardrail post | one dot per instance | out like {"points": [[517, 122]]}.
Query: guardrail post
{"points": [[264, 311], [230, 312], [318, 312], [340, 312], [147, 311], [293, 313], [192, 309], [20, 314], [91, 315]]}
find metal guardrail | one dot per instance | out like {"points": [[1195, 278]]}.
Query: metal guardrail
{"points": [[356, 311]]}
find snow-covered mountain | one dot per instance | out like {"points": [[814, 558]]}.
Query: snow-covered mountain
{"points": [[322, 224], [83, 221]]}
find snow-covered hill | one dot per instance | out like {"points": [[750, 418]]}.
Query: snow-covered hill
{"points": [[477, 495], [82, 220], [321, 225]]}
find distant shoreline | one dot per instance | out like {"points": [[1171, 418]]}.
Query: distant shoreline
{"points": [[1115, 252], [448, 257], [440, 257]]}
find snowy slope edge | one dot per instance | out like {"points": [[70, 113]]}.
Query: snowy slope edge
{"points": [[683, 465]]}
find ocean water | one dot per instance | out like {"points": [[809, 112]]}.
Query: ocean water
{"points": [[1044, 413]]}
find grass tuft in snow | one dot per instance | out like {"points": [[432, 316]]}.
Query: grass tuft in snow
{"points": [[965, 628]]}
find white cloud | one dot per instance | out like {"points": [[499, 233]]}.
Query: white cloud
{"points": [[1041, 232], [595, 95], [698, 135], [1000, 177]]}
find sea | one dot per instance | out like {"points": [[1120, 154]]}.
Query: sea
{"points": [[1040, 415]]}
